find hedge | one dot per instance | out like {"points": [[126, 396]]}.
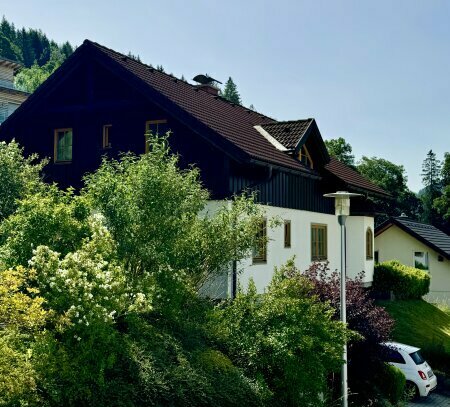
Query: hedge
{"points": [[391, 381], [405, 282]]}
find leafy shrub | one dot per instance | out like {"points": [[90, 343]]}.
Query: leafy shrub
{"points": [[19, 176], [286, 337], [371, 322], [405, 282], [436, 354], [22, 316], [391, 382], [53, 218]]}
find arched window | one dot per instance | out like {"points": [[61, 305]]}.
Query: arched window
{"points": [[369, 244]]}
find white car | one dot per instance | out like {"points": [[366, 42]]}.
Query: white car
{"points": [[408, 359]]}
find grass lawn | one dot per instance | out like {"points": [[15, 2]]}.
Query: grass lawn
{"points": [[420, 323]]}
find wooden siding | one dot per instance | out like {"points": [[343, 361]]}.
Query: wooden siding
{"points": [[6, 73], [284, 189]]}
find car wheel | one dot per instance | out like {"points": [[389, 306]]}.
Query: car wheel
{"points": [[411, 391]]}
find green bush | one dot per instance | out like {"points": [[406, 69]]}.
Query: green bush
{"points": [[391, 382], [405, 282], [436, 355], [286, 337]]}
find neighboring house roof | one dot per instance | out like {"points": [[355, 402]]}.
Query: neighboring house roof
{"points": [[288, 133], [352, 177], [427, 234], [236, 125]]}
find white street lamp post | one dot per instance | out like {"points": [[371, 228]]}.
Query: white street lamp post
{"points": [[342, 210]]}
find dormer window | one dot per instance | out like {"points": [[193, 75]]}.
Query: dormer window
{"points": [[305, 158]]}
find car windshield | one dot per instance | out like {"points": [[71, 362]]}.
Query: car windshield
{"points": [[417, 357]]}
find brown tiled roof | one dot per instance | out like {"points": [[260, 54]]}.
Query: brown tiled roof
{"points": [[233, 122], [288, 133], [352, 177]]}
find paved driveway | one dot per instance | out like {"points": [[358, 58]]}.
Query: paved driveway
{"points": [[434, 400]]}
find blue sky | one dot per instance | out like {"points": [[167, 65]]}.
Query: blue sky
{"points": [[373, 72]]}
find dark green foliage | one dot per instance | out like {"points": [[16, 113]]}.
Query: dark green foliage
{"points": [[392, 178], [231, 93], [391, 382], [342, 150], [28, 46], [405, 282], [431, 178], [437, 355]]}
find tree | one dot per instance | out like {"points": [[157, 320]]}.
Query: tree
{"points": [[342, 150], [371, 322], [431, 178], [152, 210], [442, 203], [445, 170], [393, 179], [114, 284], [270, 335], [29, 79], [19, 177], [231, 93]]}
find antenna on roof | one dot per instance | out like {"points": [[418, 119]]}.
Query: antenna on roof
{"points": [[205, 79], [208, 84]]}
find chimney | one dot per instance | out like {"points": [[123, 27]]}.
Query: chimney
{"points": [[207, 84]]}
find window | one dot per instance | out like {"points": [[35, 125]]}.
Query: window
{"points": [[394, 356], [63, 145], [417, 358], [260, 250], [377, 256], [154, 127], [318, 242], [107, 133], [421, 260], [369, 244], [305, 157], [287, 233]]}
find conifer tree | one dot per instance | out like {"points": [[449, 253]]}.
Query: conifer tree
{"points": [[431, 179], [231, 93]]}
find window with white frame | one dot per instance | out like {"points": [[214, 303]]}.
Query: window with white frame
{"points": [[421, 260]]}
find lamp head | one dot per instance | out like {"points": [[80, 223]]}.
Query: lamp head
{"points": [[342, 201]]}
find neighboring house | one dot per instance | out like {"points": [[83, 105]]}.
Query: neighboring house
{"points": [[10, 97], [418, 245], [101, 102]]}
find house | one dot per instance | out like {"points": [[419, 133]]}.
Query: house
{"points": [[101, 102], [10, 97], [418, 245]]}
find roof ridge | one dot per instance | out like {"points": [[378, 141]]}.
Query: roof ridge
{"points": [[218, 97], [309, 119]]}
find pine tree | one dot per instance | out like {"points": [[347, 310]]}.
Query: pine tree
{"points": [[231, 93], [431, 179]]}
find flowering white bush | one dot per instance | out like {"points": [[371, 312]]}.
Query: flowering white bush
{"points": [[88, 285]]}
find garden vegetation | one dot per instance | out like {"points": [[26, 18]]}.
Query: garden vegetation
{"points": [[99, 301]]}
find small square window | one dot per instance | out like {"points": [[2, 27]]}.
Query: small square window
{"points": [[63, 145], [421, 260], [287, 233]]}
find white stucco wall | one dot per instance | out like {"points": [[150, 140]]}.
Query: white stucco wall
{"points": [[301, 222], [395, 244]]}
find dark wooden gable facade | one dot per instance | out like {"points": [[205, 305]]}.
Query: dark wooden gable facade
{"points": [[97, 87]]}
